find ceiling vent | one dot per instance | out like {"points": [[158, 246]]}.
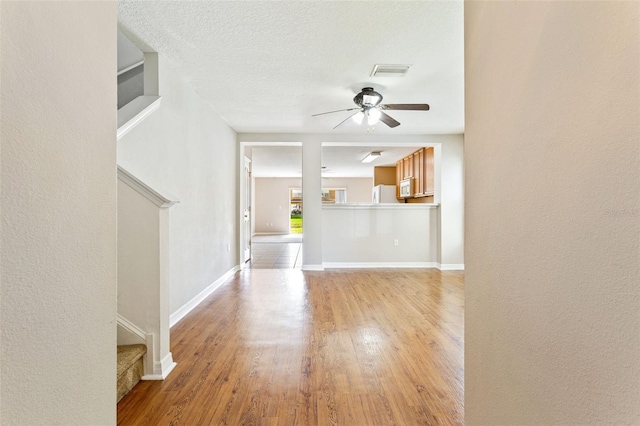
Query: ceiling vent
{"points": [[389, 70]]}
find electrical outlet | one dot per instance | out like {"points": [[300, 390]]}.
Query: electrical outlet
{"points": [[395, 243], [228, 247]]}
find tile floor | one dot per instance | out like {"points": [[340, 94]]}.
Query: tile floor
{"points": [[276, 252]]}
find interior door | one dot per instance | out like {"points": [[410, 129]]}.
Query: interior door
{"points": [[246, 255]]}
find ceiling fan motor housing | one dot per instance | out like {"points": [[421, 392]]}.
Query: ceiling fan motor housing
{"points": [[368, 98]]}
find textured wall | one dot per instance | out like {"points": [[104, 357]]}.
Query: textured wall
{"points": [[58, 292], [552, 150], [186, 149]]}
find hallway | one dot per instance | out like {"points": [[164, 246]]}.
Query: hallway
{"points": [[276, 251]]}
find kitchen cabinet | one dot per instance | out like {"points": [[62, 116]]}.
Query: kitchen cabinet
{"points": [[384, 175], [399, 176], [408, 167], [418, 166], [418, 189], [428, 171]]}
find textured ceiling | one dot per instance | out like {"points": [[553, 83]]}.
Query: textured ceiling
{"points": [[268, 66]]}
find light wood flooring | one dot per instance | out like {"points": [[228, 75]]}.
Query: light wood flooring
{"points": [[340, 347]]}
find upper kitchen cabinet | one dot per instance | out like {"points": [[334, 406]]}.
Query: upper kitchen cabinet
{"points": [[384, 175], [419, 167], [428, 175]]}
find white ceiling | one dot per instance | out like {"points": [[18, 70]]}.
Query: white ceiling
{"points": [[338, 161], [266, 67]]}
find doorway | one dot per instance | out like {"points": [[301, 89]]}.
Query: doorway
{"points": [[295, 210], [246, 200], [275, 169]]}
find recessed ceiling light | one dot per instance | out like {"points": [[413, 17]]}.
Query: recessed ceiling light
{"points": [[371, 156], [389, 70]]}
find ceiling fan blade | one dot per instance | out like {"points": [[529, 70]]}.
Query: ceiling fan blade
{"points": [[388, 120], [331, 112], [347, 118], [406, 107]]}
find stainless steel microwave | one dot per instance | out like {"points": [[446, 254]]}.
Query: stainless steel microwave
{"points": [[406, 188]]}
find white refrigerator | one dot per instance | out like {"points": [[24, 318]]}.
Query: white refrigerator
{"points": [[384, 194]]}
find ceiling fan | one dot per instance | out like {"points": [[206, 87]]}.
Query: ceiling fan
{"points": [[368, 101]]}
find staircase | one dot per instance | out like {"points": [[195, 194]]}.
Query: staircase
{"points": [[130, 367]]}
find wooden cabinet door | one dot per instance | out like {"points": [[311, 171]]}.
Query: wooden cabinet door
{"points": [[408, 167], [419, 167], [399, 176], [429, 172], [417, 173]]}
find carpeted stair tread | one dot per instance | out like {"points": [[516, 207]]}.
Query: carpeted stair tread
{"points": [[130, 367], [128, 355]]}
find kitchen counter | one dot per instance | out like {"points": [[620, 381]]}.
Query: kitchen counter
{"points": [[380, 206]]}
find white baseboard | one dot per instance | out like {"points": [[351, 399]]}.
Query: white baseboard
{"points": [[191, 304], [312, 267], [332, 265], [363, 265], [451, 267], [162, 368]]}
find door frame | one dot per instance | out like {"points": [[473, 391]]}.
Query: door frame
{"points": [[244, 192]]}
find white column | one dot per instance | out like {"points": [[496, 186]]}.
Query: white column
{"points": [[312, 204], [452, 203]]}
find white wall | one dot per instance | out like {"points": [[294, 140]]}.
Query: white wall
{"points": [[186, 149], [552, 255], [358, 189], [364, 235], [311, 186], [143, 276], [271, 208], [139, 257], [58, 290], [451, 199]]}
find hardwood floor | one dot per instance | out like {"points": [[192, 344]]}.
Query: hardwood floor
{"points": [[285, 347]]}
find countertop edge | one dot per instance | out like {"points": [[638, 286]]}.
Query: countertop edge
{"points": [[381, 206]]}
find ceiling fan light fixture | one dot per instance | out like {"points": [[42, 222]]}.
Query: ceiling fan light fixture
{"points": [[367, 98], [358, 117], [371, 156], [371, 99], [374, 116]]}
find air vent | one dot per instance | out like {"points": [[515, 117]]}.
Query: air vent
{"points": [[389, 70]]}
